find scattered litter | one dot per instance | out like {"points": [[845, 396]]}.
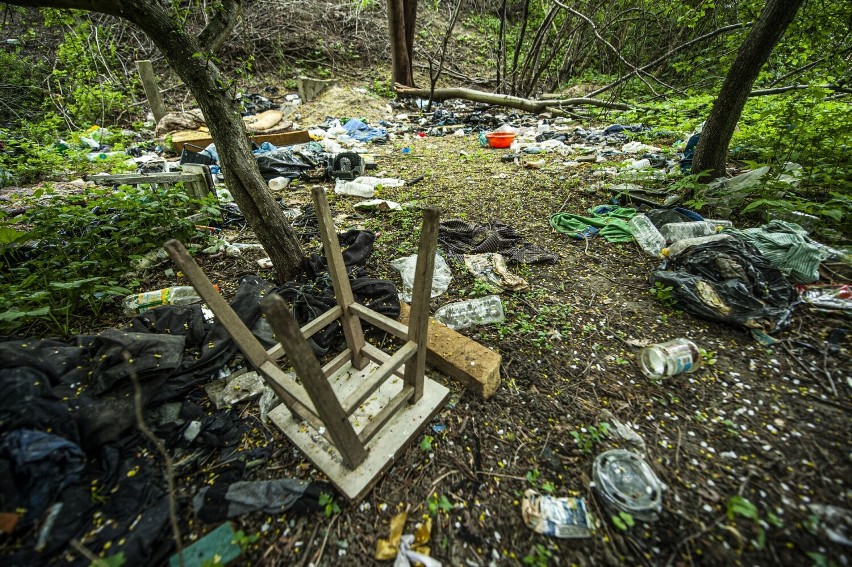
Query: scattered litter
{"points": [[835, 522], [607, 220], [440, 279], [788, 248], [669, 358], [378, 205], [216, 548], [492, 269], [625, 432], [225, 393], [565, 517], [458, 237], [638, 147], [728, 280], [626, 483], [837, 297], [226, 500], [479, 311], [409, 548], [725, 194]]}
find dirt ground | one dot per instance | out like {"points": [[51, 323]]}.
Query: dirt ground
{"points": [[767, 424]]}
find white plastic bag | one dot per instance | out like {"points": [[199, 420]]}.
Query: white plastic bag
{"points": [[440, 278]]}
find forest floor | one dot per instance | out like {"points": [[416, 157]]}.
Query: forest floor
{"points": [[766, 425]]}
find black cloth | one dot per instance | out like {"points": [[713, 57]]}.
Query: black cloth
{"points": [[458, 237], [225, 500]]}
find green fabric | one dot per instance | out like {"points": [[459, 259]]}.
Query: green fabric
{"points": [[787, 247], [612, 225]]}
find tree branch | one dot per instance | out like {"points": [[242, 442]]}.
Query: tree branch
{"points": [[505, 100], [668, 54], [779, 90], [220, 25]]}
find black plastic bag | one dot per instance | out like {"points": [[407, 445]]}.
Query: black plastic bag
{"points": [[729, 281]]}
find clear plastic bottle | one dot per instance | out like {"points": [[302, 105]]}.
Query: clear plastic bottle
{"points": [[480, 311], [681, 245], [179, 295], [675, 231], [669, 358], [149, 259], [647, 235]]}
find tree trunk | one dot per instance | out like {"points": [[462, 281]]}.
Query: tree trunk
{"points": [[505, 100], [712, 150], [398, 28], [215, 97]]}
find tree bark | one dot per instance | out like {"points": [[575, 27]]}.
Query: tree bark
{"points": [[215, 98], [712, 150], [401, 17], [506, 100]]}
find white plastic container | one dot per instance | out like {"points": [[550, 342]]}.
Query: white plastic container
{"points": [[646, 235]]}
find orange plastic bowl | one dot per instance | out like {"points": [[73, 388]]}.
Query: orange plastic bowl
{"points": [[500, 139]]}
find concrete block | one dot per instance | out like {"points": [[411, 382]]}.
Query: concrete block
{"points": [[309, 88], [460, 357]]}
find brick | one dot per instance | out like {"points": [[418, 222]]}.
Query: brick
{"points": [[459, 357]]}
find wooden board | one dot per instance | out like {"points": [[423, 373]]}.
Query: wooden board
{"points": [[203, 139], [383, 449]]}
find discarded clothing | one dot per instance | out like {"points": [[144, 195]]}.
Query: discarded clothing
{"points": [[360, 132], [492, 269], [458, 237], [729, 281], [609, 221], [226, 500], [788, 248]]}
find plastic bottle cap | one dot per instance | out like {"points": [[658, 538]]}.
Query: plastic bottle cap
{"points": [[664, 252]]}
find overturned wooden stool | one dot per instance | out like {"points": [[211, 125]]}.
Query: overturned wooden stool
{"points": [[353, 416]]}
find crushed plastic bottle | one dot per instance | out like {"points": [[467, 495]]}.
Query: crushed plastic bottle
{"points": [[149, 259], [279, 183], [462, 314], [681, 245], [626, 483], [675, 231], [646, 235], [179, 295], [669, 358]]}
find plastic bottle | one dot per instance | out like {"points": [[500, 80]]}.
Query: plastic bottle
{"points": [[675, 231], [481, 311], [647, 235], [151, 258], [669, 358], [279, 183], [354, 189], [178, 295], [681, 245]]}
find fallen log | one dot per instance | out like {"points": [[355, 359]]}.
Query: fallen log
{"points": [[505, 100]]}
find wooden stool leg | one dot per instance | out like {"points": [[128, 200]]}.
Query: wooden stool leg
{"points": [[421, 296], [310, 372], [340, 279]]}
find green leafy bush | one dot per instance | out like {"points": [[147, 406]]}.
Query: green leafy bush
{"points": [[63, 261]]}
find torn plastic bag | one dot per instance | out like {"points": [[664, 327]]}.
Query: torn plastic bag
{"points": [[729, 281], [406, 266]]}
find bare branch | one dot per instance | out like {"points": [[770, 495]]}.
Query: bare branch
{"points": [[505, 100], [779, 90]]}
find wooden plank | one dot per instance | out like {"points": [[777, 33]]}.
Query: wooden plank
{"points": [[378, 377], [383, 449], [380, 321], [380, 357], [461, 358], [339, 278], [296, 391], [387, 412], [309, 329], [203, 139], [421, 295], [242, 336], [317, 386], [136, 179], [152, 91], [337, 363], [313, 327]]}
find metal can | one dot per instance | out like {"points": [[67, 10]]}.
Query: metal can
{"points": [[669, 358]]}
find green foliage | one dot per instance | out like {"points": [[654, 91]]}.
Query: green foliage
{"points": [[663, 293], [426, 443], [383, 89], [21, 88], [534, 478], [437, 504], [330, 507], [538, 556], [65, 261], [116, 560], [623, 521], [587, 438], [244, 540], [741, 507], [85, 84]]}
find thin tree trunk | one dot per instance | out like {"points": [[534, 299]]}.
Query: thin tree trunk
{"points": [[214, 96], [400, 56], [712, 150]]}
